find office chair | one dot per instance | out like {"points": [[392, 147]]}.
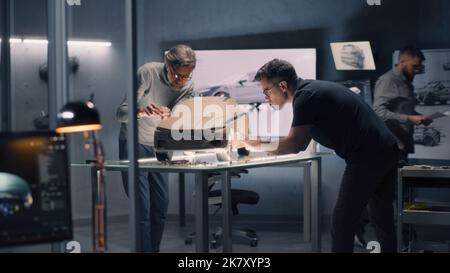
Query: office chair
{"points": [[237, 197]]}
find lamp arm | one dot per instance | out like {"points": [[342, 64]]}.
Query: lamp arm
{"points": [[99, 199]]}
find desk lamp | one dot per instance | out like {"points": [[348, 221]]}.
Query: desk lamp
{"points": [[82, 117]]}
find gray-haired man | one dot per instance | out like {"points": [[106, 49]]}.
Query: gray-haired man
{"points": [[161, 87]]}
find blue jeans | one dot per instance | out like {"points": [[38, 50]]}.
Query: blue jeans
{"points": [[153, 196]]}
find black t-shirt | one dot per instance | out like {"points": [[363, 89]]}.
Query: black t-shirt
{"points": [[341, 120]]}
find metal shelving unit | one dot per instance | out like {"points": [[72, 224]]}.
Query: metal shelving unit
{"points": [[411, 178]]}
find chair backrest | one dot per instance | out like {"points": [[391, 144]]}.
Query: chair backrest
{"points": [[237, 196]]}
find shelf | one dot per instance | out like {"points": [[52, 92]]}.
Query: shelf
{"points": [[425, 173], [426, 217]]}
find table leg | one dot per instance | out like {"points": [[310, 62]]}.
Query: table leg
{"points": [[182, 199], [201, 213], [226, 213], [306, 201], [316, 212]]}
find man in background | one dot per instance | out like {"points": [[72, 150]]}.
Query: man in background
{"points": [[394, 103], [394, 100]]}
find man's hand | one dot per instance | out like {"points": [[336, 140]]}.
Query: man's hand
{"points": [[153, 110], [165, 112], [427, 121], [419, 119]]}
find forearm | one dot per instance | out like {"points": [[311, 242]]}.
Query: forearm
{"points": [[287, 146]]}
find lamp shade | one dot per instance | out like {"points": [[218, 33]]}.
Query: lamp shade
{"points": [[77, 117]]}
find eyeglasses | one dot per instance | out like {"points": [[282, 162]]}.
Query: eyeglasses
{"points": [[419, 69], [179, 77], [268, 91]]}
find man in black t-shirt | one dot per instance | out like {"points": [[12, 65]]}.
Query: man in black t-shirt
{"points": [[339, 119]]}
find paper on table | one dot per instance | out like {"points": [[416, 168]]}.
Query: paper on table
{"points": [[196, 158], [438, 115]]}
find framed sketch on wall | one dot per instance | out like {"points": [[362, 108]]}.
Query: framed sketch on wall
{"points": [[353, 56], [432, 91]]}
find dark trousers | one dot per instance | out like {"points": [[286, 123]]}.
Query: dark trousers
{"points": [[153, 198], [368, 183], [364, 219]]}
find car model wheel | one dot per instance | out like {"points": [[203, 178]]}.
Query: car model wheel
{"points": [[429, 99], [222, 94], [429, 141]]}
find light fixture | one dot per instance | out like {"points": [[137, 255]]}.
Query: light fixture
{"points": [[35, 41], [86, 43], [78, 117], [89, 43], [81, 117], [15, 41]]}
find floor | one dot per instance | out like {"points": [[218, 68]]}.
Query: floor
{"points": [[274, 237]]}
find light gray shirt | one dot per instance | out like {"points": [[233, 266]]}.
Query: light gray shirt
{"points": [[394, 101], [391, 87], [154, 87]]}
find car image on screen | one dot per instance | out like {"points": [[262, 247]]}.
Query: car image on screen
{"points": [[244, 88], [435, 92], [427, 136]]}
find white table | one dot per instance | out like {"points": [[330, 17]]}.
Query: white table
{"points": [[312, 164]]}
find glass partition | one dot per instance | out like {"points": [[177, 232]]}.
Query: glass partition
{"points": [[97, 72]]}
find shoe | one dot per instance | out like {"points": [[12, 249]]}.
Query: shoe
{"points": [[359, 240]]}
